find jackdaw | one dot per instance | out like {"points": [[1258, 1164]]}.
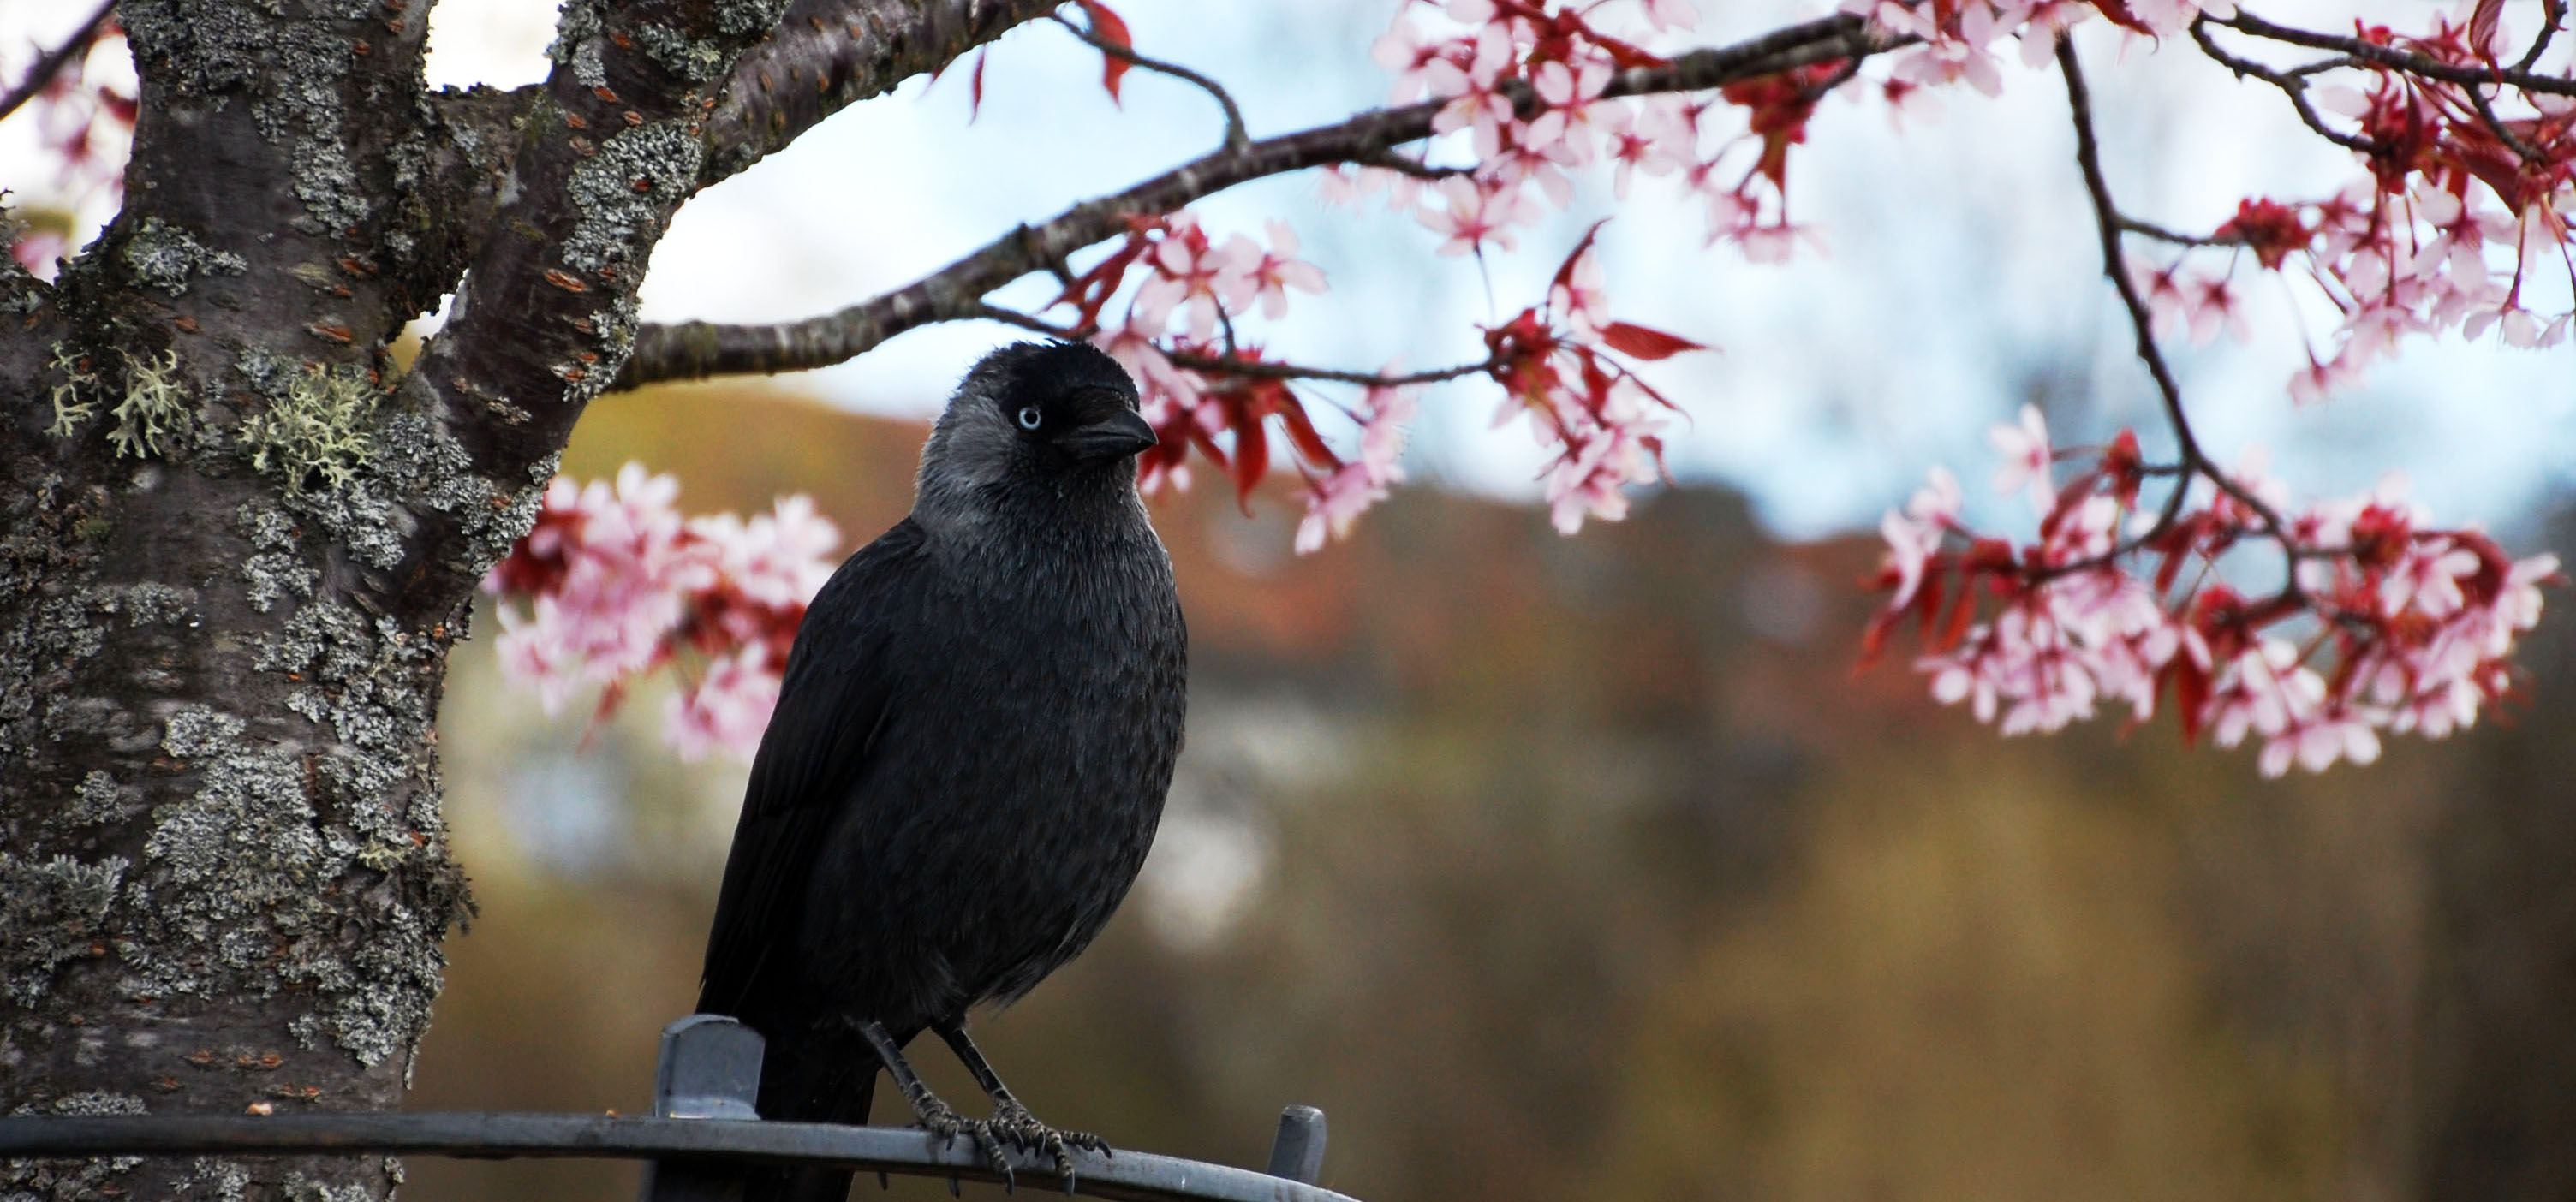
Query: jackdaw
{"points": [[967, 762]]}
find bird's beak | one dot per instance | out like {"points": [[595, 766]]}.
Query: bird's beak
{"points": [[1114, 437]]}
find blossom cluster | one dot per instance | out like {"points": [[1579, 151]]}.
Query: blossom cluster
{"points": [[2384, 622], [1554, 363], [1189, 291], [1208, 386], [616, 584], [1481, 56], [2459, 221]]}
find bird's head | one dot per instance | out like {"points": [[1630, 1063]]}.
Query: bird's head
{"points": [[1045, 415]]}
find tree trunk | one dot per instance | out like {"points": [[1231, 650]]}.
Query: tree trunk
{"points": [[219, 658], [236, 545]]}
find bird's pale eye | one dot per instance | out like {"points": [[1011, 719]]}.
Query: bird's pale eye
{"points": [[1030, 417]]}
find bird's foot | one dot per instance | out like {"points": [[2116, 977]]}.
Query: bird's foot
{"points": [[1010, 1129], [1014, 1124], [937, 1118]]}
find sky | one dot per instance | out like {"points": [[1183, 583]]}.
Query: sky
{"points": [[1962, 277]]}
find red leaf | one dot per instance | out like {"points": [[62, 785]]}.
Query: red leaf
{"points": [[2191, 695], [975, 88], [1640, 342], [2482, 27], [1962, 612], [1873, 638], [1928, 598], [2118, 12], [1301, 433], [1110, 28], [1251, 458], [1565, 270]]}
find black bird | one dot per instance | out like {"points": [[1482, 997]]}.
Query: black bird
{"points": [[967, 762]]}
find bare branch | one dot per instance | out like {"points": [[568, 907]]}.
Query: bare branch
{"points": [[2292, 84], [1219, 365], [55, 60], [1034, 325], [1216, 366], [2495, 125], [2400, 60], [2149, 229], [2552, 12], [692, 350], [829, 54], [1235, 137], [2107, 219]]}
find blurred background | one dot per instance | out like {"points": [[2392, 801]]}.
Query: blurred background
{"points": [[1592, 867]]}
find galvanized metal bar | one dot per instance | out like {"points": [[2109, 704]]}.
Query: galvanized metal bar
{"points": [[1298, 1151], [709, 1070], [1136, 1176]]}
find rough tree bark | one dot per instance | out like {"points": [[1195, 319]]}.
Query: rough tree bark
{"points": [[236, 544]]}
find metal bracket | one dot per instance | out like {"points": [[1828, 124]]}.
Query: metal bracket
{"points": [[1298, 1152], [709, 1069]]}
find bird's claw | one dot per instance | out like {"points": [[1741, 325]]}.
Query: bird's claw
{"points": [[1013, 1122], [1011, 1126], [939, 1120]]}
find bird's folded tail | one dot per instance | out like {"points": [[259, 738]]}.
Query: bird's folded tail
{"points": [[811, 1081]]}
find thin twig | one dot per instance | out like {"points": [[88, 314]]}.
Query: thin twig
{"points": [[2340, 62], [1013, 317], [2552, 12], [1235, 137], [2149, 229], [52, 64], [1405, 164], [2495, 125], [2294, 87], [1220, 365], [1214, 365]]}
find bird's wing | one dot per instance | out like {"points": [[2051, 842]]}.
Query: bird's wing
{"points": [[833, 700]]}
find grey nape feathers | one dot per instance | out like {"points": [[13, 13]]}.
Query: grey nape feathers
{"points": [[968, 759]]}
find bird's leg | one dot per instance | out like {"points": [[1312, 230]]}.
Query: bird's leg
{"points": [[936, 1116], [1011, 1120]]}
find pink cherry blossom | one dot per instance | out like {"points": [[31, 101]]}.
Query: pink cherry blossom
{"points": [[616, 584], [1670, 14], [1473, 216], [1335, 500], [2028, 459], [726, 711], [2316, 741], [1278, 270], [1650, 136]]}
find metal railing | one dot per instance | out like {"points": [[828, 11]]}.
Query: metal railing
{"points": [[702, 1128]]}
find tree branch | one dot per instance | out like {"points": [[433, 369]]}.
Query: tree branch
{"points": [[2149, 229], [55, 60], [2399, 60], [829, 54], [2107, 220], [1219, 365], [1211, 365], [609, 146], [693, 350], [2292, 84], [2552, 12]]}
